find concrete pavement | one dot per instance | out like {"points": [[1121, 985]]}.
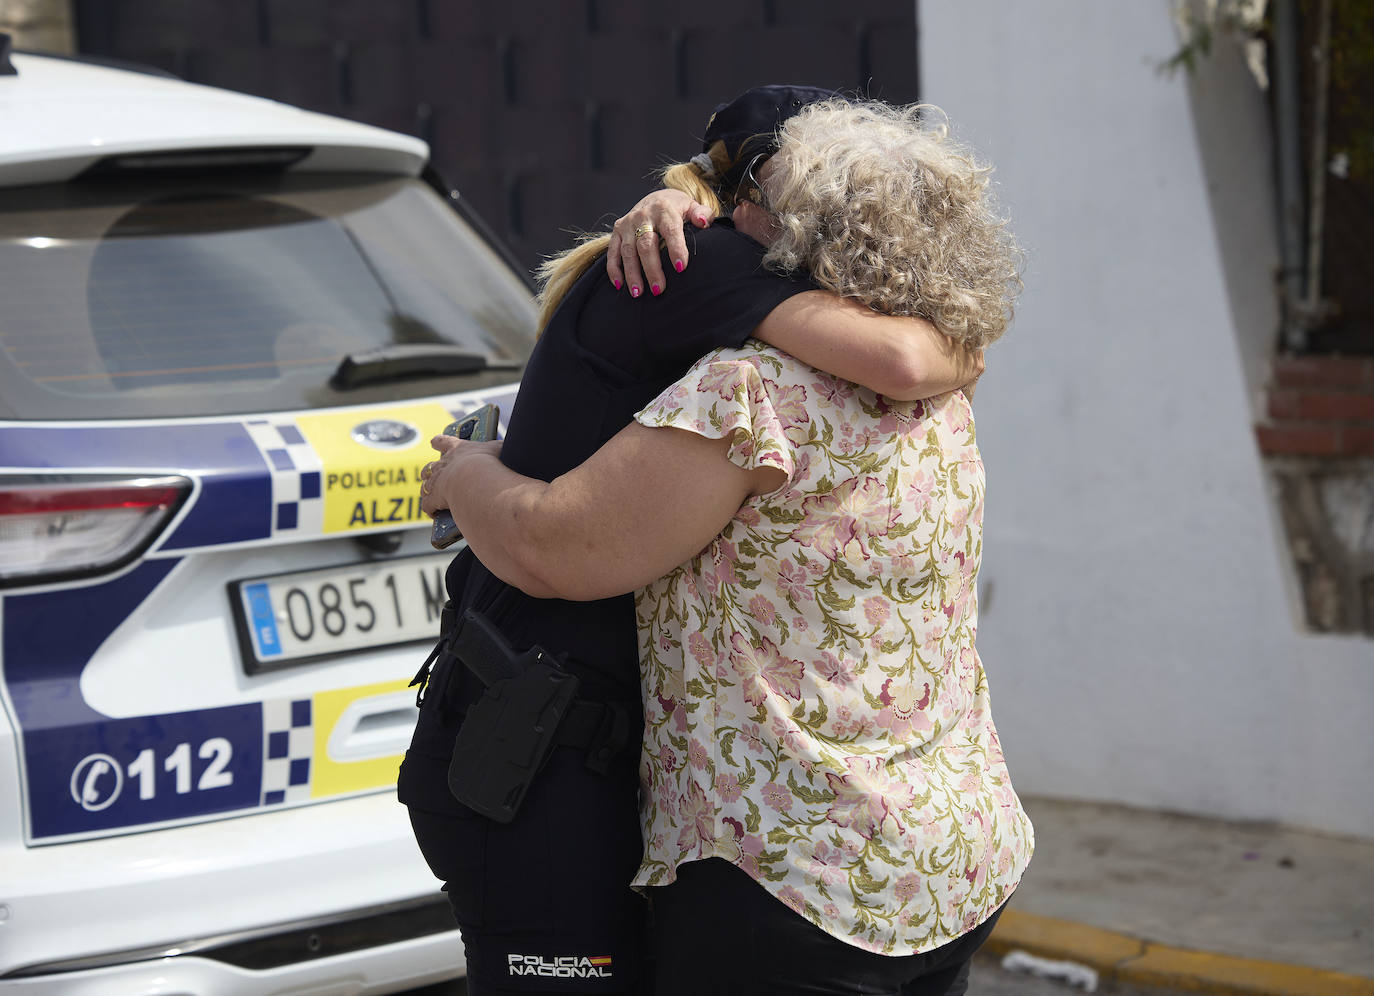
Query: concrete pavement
{"points": [[1156, 899]]}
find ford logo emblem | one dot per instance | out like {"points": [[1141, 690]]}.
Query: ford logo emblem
{"points": [[385, 434]]}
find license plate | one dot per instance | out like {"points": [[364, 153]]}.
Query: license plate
{"points": [[293, 618]]}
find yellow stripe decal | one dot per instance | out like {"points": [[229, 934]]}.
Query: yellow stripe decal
{"points": [[366, 487]]}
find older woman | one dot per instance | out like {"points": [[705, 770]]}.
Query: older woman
{"points": [[539, 876], [826, 805]]}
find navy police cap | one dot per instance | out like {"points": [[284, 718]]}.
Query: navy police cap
{"points": [[748, 125]]}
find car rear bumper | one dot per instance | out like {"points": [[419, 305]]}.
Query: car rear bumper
{"points": [[317, 898], [387, 969]]}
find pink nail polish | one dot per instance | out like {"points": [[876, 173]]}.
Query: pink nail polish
{"points": [[634, 291], [617, 284], [678, 265], [655, 290]]}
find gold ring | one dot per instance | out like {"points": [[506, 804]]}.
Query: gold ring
{"points": [[644, 229]]}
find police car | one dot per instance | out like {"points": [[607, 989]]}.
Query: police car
{"points": [[228, 328]]}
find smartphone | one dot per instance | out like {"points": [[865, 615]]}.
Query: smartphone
{"points": [[477, 426]]}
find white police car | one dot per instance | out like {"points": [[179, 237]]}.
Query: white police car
{"points": [[228, 328]]}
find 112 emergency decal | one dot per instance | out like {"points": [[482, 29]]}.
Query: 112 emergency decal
{"points": [[178, 766]]}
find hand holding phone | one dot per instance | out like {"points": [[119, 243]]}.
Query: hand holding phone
{"points": [[478, 426]]}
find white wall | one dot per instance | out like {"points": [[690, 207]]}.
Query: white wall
{"points": [[1138, 625]]}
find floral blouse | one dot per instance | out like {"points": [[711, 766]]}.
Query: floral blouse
{"points": [[815, 710]]}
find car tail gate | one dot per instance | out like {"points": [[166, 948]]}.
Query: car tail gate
{"points": [[170, 590]]}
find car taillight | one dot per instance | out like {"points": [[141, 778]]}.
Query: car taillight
{"points": [[69, 526]]}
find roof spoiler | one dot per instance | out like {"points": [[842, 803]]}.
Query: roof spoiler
{"points": [[6, 67]]}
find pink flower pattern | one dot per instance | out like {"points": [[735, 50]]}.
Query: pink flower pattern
{"points": [[793, 582], [763, 671], [867, 798], [815, 708], [876, 610], [826, 865], [832, 669], [727, 786], [777, 797], [761, 609], [854, 512]]}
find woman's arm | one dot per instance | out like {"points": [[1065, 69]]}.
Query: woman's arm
{"points": [[901, 358], [644, 503]]}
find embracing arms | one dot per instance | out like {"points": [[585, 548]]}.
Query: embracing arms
{"points": [[901, 358], [644, 503]]}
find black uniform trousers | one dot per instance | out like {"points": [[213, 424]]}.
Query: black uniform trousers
{"points": [[543, 902]]}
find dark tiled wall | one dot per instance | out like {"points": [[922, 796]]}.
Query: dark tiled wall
{"points": [[548, 115]]}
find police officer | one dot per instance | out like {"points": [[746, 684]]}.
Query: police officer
{"points": [[536, 834]]}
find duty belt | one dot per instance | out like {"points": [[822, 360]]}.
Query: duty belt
{"points": [[529, 707]]}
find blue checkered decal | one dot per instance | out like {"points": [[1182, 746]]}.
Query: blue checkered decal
{"points": [[297, 479], [288, 745]]}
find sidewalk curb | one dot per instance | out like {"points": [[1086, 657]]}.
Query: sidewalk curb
{"points": [[1121, 958]]}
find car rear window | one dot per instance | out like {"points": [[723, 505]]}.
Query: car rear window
{"points": [[159, 296]]}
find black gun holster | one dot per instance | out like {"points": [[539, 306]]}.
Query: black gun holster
{"points": [[530, 706]]}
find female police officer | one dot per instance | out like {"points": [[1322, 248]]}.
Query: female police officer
{"points": [[537, 869]]}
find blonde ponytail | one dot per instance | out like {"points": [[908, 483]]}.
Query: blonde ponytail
{"points": [[557, 274]]}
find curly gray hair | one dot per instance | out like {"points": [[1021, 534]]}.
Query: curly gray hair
{"points": [[878, 203]]}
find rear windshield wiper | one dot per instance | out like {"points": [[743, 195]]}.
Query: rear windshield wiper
{"points": [[412, 360]]}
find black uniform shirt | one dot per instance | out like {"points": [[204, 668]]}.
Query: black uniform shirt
{"points": [[603, 357]]}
